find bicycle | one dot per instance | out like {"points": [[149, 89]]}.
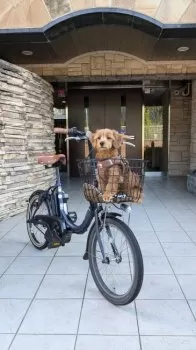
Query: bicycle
{"points": [[104, 247]]}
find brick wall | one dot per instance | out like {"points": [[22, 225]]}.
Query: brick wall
{"points": [[110, 64], [180, 135]]}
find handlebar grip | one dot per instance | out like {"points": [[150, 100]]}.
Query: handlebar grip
{"points": [[60, 131], [75, 132]]}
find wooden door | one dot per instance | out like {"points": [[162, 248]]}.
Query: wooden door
{"points": [[105, 112]]}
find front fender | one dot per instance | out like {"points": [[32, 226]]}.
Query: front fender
{"points": [[110, 215]]}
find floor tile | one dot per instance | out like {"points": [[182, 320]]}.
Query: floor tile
{"points": [[4, 228], [160, 287], [5, 340], [30, 250], [43, 342], [12, 312], [192, 304], [187, 265], [62, 286], [122, 282], [180, 249], [2, 233], [164, 226], [5, 262], [52, 317], [29, 265], [151, 249], [145, 236], [168, 343], [140, 226], [188, 226], [156, 265], [155, 214], [116, 321], [173, 236], [192, 235], [160, 217], [19, 286], [19, 236], [72, 249], [11, 249], [165, 317], [68, 266], [9, 224], [92, 291], [188, 285], [88, 342], [79, 238]]}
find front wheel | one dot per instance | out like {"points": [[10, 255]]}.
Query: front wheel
{"points": [[37, 207], [119, 275]]}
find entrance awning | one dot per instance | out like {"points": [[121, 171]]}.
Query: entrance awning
{"points": [[99, 29]]}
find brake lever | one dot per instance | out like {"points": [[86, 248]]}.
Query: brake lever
{"points": [[76, 138], [129, 144]]}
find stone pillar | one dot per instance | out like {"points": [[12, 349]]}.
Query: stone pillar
{"points": [[193, 129], [179, 144], [26, 130]]}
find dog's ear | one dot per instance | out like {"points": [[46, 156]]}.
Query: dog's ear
{"points": [[93, 139], [117, 139]]}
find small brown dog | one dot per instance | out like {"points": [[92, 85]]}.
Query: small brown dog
{"points": [[113, 172]]}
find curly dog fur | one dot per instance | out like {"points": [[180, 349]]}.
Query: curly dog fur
{"points": [[112, 178]]}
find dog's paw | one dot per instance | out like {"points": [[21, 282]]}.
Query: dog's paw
{"points": [[107, 197]]}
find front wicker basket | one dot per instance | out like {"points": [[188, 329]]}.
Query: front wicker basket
{"points": [[129, 182]]}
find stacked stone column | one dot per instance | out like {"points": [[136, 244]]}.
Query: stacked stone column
{"points": [[26, 130]]}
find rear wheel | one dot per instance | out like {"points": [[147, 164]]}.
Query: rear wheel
{"points": [[119, 276], [37, 233]]}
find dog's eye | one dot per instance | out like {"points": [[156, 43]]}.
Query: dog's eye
{"points": [[109, 138], [99, 138]]}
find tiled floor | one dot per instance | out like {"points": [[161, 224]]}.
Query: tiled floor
{"points": [[48, 299]]}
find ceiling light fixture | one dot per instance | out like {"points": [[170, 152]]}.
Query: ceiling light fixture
{"points": [[27, 53], [183, 48]]}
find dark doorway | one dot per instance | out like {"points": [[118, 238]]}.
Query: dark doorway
{"points": [[104, 108]]}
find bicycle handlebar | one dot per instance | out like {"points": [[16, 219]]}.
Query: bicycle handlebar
{"points": [[73, 132]]}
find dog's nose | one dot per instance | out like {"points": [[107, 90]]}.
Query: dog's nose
{"points": [[102, 144]]}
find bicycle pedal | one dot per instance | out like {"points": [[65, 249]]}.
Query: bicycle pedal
{"points": [[54, 245]]}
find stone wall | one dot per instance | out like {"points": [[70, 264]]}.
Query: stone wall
{"points": [[108, 65], [26, 125], [193, 129], [180, 130]]}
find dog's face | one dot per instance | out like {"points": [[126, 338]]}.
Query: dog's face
{"points": [[106, 139]]}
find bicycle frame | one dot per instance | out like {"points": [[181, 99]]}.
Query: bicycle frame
{"points": [[58, 203]]}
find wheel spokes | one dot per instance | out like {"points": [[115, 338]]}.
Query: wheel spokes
{"points": [[117, 274]]}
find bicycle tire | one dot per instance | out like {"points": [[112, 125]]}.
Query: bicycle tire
{"points": [[138, 262], [33, 198]]}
